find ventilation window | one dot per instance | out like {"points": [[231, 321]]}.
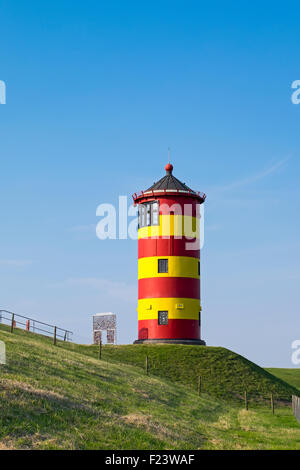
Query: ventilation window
{"points": [[163, 317], [162, 265], [198, 268]]}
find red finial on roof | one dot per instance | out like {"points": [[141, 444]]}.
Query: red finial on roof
{"points": [[169, 168]]}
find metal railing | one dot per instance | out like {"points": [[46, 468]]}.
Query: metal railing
{"points": [[155, 192], [15, 320]]}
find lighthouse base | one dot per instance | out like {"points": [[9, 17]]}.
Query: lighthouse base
{"points": [[191, 342]]}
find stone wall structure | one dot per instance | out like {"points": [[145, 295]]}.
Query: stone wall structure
{"points": [[105, 322]]}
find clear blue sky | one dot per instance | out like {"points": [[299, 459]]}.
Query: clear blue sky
{"points": [[96, 93]]}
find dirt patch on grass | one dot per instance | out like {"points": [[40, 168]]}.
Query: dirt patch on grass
{"points": [[138, 419], [169, 431], [140, 392], [217, 443], [249, 421], [223, 423], [4, 446], [147, 422], [27, 442], [49, 394]]}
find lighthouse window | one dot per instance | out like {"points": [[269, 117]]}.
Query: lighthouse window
{"points": [[149, 214], [199, 318], [148, 219], [198, 268], [162, 265], [155, 213], [142, 214], [163, 317]]}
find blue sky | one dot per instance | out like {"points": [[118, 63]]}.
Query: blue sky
{"points": [[96, 93]]}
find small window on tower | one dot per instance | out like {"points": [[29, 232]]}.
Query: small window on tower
{"points": [[162, 265], [142, 215], [149, 214], [199, 318], [163, 317], [198, 268]]}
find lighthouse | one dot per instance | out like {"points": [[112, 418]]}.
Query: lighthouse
{"points": [[169, 307]]}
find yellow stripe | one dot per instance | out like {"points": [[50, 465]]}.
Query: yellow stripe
{"points": [[178, 266], [173, 225], [177, 308]]}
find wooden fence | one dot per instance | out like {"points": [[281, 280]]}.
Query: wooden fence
{"points": [[296, 407]]}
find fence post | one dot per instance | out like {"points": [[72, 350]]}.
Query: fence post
{"points": [[12, 323], [272, 403], [147, 365], [100, 350], [296, 407], [65, 337], [246, 400], [54, 338], [199, 384]]}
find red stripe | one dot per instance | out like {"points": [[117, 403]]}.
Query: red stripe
{"points": [[169, 247], [155, 287], [176, 329], [178, 205]]}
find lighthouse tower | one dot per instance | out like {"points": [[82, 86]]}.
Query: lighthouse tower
{"points": [[169, 308]]}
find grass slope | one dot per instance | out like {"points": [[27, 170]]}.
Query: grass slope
{"points": [[54, 398], [291, 376], [224, 373]]}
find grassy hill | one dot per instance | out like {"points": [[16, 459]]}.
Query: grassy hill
{"points": [[223, 373], [291, 376], [57, 398]]}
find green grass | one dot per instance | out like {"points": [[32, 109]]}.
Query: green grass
{"points": [[63, 398], [224, 373], [291, 376]]}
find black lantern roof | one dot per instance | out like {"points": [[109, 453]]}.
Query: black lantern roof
{"points": [[169, 184]]}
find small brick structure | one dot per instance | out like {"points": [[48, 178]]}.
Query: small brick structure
{"points": [[105, 322]]}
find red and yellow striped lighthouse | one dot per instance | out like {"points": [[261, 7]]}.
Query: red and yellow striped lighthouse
{"points": [[169, 308]]}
